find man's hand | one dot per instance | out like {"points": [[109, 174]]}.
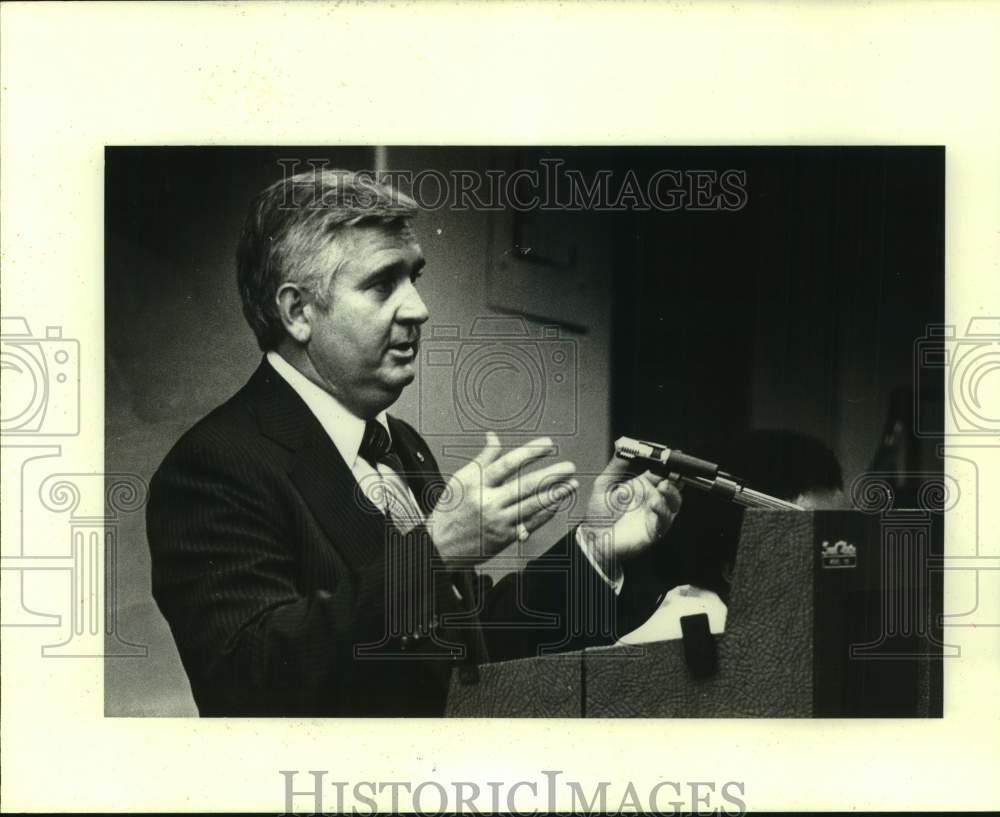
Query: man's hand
{"points": [[486, 500], [626, 515]]}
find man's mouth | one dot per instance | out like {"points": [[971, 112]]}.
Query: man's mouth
{"points": [[407, 349]]}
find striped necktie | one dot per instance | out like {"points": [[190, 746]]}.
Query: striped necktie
{"points": [[376, 448]]}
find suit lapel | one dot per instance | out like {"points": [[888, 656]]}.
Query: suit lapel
{"points": [[350, 521], [427, 485], [346, 515], [424, 480]]}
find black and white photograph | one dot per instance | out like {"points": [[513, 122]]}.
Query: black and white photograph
{"points": [[483, 407], [527, 432]]}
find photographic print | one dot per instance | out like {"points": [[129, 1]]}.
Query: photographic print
{"points": [[552, 344], [490, 407]]}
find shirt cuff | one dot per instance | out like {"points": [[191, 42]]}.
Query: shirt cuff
{"points": [[615, 584]]}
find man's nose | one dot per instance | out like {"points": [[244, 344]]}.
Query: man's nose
{"points": [[412, 309]]}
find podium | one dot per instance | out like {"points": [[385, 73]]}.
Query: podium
{"points": [[832, 614]]}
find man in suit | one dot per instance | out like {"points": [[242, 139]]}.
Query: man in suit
{"points": [[306, 552]]}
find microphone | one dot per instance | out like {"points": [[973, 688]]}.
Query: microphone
{"points": [[699, 473]]}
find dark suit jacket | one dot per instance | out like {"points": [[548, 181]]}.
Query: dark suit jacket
{"points": [[288, 593]]}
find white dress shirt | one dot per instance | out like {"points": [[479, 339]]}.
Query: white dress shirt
{"points": [[383, 487]]}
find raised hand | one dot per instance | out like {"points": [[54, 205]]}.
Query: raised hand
{"points": [[486, 502], [625, 515]]}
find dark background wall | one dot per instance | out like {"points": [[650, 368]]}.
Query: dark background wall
{"points": [[797, 311]]}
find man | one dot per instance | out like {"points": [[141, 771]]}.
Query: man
{"points": [[307, 554]]}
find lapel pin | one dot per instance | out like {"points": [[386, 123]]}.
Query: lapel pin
{"points": [[420, 456]]}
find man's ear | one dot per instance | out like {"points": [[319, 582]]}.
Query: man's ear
{"points": [[294, 315]]}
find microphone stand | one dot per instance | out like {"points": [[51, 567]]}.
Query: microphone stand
{"points": [[698, 473]]}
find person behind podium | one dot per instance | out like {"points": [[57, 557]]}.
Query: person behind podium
{"points": [[307, 554]]}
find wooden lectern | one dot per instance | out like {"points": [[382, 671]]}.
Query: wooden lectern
{"points": [[832, 614]]}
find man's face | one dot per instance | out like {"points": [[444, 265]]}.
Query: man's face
{"points": [[364, 347]]}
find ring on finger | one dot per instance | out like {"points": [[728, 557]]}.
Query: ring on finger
{"points": [[522, 532]]}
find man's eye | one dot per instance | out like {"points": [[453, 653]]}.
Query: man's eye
{"points": [[384, 287]]}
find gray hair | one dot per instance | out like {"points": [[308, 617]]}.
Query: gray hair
{"points": [[289, 222]]}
